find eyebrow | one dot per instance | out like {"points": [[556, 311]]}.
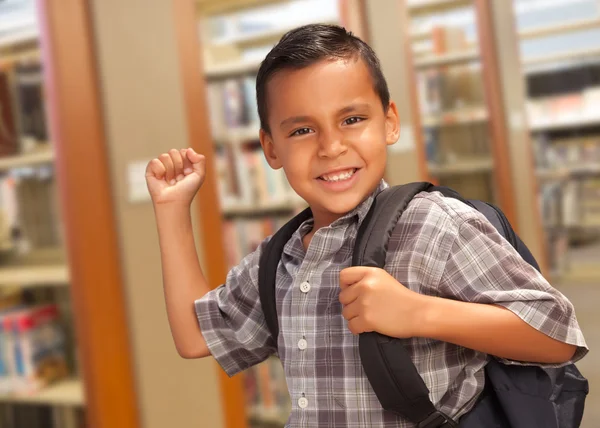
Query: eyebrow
{"points": [[301, 119]]}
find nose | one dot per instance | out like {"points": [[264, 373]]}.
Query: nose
{"points": [[332, 144]]}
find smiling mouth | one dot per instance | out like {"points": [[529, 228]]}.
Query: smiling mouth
{"points": [[338, 176]]}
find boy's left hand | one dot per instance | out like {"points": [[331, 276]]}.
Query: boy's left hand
{"points": [[374, 301]]}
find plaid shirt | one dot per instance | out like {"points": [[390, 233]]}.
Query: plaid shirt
{"points": [[440, 247]]}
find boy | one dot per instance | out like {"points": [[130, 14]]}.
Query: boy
{"points": [[452, 287]]}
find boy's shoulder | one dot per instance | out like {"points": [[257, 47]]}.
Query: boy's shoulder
{"points": [[433, 213]]}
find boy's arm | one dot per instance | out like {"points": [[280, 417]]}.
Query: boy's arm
{"points": [[490, 329], [227, 322], [173, 180], [183, 280], [497, 303]]}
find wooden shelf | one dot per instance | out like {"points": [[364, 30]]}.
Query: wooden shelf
{"points": [[31, 276], [462, 167], [26, 159], [564, 173], [232, 69], [564, 124], [265, 36], [568, 27], [13, 38], [457, 117], [574, 55], [447, 59], [64, 393], [211, 7], [435, 6]]}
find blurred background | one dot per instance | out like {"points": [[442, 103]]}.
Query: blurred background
{"points": [[498, 99]]}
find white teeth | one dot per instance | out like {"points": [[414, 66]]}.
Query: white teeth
{"points": [[338, 177]]}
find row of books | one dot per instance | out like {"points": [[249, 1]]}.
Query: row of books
{"points": [[35, 416], [452, 87], [23, 123], [245, 177], [242, 236], [29, 214], [569, 209], [33, 351], [232, 105], [565, 152], [575, 107], [571, 204], [449, 144]]}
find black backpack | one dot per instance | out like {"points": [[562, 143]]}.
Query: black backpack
{"points": [[514, 396]]}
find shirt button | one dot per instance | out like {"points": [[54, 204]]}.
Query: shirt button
{"points": [[305, 287], [303, 402], [302, 344]]}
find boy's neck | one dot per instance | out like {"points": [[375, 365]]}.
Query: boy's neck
{"points": [[320, 220]]}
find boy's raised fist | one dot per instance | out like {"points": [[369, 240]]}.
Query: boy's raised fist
{"points": [[176, 176]]}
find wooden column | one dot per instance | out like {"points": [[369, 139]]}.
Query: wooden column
{"points": [[77, 130], [492, 85]]}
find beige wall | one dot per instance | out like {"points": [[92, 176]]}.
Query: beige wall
{"points": [[144, 116], [385, 29]]}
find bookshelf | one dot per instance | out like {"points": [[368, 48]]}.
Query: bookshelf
{"points": [[58, 253], [467, 123], [38, 157], [458, 127], [68, 392], [562, 106], [33, 269]]}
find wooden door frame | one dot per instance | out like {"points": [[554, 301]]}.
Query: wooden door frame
{"points": [[86, 202], [209, 213]]}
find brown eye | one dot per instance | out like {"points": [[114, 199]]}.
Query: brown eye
{"points": [[301, 131], [352, 120]]}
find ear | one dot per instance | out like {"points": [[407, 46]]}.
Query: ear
{"points": [[266, 141], [392, 124]]}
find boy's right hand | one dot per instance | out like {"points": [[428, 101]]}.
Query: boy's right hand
{"points": [[175, 177]]}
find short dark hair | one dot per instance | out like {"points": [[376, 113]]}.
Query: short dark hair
{"points": [[306, 45]]}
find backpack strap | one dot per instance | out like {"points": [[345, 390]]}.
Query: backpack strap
{"points": [[267, 272], [387, 364]]}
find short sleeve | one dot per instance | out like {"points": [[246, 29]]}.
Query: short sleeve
{"points": [[232, 321], [482, 267]]}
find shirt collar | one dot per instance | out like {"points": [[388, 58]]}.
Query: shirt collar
{"points": [[359, 213], [363, 208]]}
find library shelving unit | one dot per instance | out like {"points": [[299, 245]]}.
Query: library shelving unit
{"points": [[469, 119], [59, 276], [253, 200], [560, 54], [33, 266]]}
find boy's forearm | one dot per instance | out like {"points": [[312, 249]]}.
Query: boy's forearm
{"points": [[183, 279], [491, 329]]}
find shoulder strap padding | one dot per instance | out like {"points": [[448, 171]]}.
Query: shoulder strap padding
{"points": [[386, 362]]}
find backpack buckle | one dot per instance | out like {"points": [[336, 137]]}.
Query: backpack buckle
{"points": [[437, 420]]}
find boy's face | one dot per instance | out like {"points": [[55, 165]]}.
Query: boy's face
{"points": [[330, 133]]}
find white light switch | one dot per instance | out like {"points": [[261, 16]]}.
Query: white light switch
{"points": [[136, 178]]}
